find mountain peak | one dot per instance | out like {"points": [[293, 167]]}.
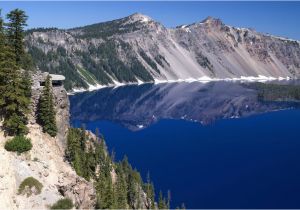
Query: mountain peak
{"points": [[212, 20], [138, 17]]}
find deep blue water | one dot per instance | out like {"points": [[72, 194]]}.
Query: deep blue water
{"points": [[250, 161]]}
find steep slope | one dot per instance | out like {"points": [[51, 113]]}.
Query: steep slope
{"points": [[137, 48], [48, 162], [44, 162]]}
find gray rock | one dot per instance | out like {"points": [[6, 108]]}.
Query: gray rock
{"points": [[208, 48], [81, 192]]}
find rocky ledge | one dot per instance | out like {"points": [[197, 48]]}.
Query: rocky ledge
{"points": [[44, 162]]}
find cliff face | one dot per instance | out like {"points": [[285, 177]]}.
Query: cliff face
{"points": [[137, 48], [61, 104], [45, 162]]}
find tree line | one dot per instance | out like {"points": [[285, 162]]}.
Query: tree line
{"points": [[276, 92], [15, 80], [91, 160]]}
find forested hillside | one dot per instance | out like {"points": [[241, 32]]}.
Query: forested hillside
{"points": [[137, 48], [51, 169]]}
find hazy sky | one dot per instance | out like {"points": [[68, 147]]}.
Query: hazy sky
{"points": [[278, 18]]}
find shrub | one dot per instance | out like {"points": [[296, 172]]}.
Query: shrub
{"points": [[30, 185], [64, 203], [18, 144]]}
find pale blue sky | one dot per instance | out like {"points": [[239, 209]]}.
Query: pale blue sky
{"points": [[278, 18]]}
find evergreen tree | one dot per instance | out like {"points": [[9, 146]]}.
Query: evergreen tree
{"points": [[108, 196], [149, 189], [90, 163], [132, 190], [83, 137], [169, 199], [15, 32], [100, 152], [100, 189], [126, 191], [2, 36], [162, 204], [73, 144], [97, 133], [121, 189], [2, 56], [77, 163], [14, 95], [14, 90], [46, 112]]}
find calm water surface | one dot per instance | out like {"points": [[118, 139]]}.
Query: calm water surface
{"points": [[213, 145]]}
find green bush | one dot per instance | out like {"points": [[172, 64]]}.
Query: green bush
{"points": [[64, 203], [30, 182], [18, 144]]}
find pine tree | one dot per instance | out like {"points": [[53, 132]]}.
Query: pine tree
{"points": [[108, 196], [149, 189], [121, 190], [169, 199], [46, 112], [14, 95], [2, 56], [132, 190], [77, 164], [83, 137], [2, 36], [15, 32], [100, 188], [15, 86], [162, 204]]}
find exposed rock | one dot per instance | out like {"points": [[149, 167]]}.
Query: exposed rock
{"points": [[61, 102], [163, 53], [45, 161], [79, 190]]}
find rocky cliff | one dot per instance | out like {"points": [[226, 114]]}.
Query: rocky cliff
{"points": [[45, 162], [139, 49]]}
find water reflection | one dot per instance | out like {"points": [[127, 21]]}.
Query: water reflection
{"points": [[138, 106]]}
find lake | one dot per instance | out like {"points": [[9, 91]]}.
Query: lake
{"points": [[213, 145]]}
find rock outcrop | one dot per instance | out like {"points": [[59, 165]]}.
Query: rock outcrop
{"points": [[79, 190], [45, 162], [61, 105]]}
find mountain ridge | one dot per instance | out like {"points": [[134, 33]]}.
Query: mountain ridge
{"points": [[137, 49]]}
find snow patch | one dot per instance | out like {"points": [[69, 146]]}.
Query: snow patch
{"points": [[140, 126], [185, 28], [283, 38], [139, 81], [204, 79], [145, 20]]}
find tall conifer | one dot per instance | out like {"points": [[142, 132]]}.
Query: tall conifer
{"points": [[46, 112], [14, 87], [15, 32]]}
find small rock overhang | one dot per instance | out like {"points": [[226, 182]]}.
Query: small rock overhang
{"points": [[57, 80]]}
